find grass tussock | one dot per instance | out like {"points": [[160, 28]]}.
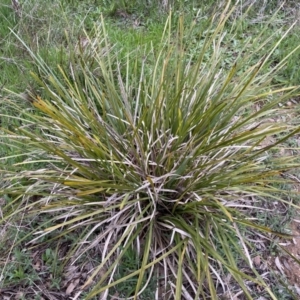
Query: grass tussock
{"points": [[157, 157]]}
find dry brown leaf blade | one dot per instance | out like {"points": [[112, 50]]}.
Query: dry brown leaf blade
{"points": [[279, 265], [71, 287]]}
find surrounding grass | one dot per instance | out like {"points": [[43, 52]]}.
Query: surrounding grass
{"points": [[91, 137]]}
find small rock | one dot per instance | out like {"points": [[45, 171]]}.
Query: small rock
{"points": [[257, 261]]}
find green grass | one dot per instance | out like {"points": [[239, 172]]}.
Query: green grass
{"points": [[133, 31]]}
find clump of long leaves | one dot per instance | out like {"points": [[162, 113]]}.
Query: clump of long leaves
{"points": [[162, 153]]}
